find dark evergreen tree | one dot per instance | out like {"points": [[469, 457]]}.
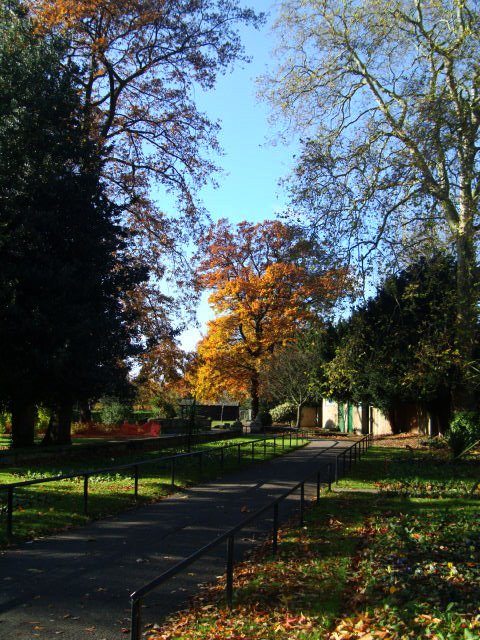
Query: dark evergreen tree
{"points": [[400, 347], [64, 329]]}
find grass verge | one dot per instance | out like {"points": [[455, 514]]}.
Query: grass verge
{"points": [[45, 508], [393, 554]]}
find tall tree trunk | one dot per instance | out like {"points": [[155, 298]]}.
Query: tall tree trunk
{"points": [[48, 436], [59, 427], [254, 385], [23, 423], [365, 418], [466, 320], [299, 415], [65, 410], [85, 411]]}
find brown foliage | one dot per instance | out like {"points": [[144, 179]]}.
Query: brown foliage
{"points": [[139, 61]]}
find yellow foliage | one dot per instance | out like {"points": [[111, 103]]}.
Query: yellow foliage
{"points": [[264, 294]]}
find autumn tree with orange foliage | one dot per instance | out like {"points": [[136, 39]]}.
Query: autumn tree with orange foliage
{"points": [[268, 285]]}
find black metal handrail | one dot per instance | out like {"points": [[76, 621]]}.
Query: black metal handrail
{"points": [[137, 596], [10, 487]]}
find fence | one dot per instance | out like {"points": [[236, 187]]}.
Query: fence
{"points": [[353, 453], [173, 460]]}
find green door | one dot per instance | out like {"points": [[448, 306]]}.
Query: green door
{"points": [[341, 416], [350, 418]]}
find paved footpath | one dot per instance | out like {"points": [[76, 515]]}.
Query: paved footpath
{"points": [[76, 585]]}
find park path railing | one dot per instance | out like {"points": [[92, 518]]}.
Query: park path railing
{"points": [[343, 460], [172, 460]]}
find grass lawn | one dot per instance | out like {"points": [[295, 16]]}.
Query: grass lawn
{"points": [[43, 508], [393, 554]]}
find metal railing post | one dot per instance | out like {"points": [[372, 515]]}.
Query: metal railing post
{"points": [[239, 456], [10, 511], [344, 462], [329, 476], [253, 451], [264, 448], [302, 502], [200, 464], [275, 529], [136, 481], [222, 457], [136, 626], [173, 472], [229, 584], [283, 441], [85, 494], [274, 444], [336, 470], [318, 486]]}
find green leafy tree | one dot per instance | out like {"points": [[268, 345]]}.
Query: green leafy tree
{"points": [[386, 95], [400, 347], [291, 374]]}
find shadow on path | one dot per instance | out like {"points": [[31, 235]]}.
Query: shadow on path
{"points": [[76, 586]]}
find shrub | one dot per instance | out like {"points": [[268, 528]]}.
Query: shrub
{"points": [[265, 418], [464, 431], [434, 442], [164, 409], [79, 428], [284, 412], [114, 411], [96, 415], [142, 416], [5, 422], [43, 418]]}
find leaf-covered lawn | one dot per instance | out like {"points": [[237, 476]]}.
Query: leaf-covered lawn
{"points": [[386, 565], [44, 508]]}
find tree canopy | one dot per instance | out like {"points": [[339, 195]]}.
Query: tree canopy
{"points": [[290, 375], [140, 62], [399, 348], [387, 97], [268, 284]]}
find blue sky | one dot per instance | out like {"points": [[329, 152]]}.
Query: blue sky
{"points": [[252, 166]]}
